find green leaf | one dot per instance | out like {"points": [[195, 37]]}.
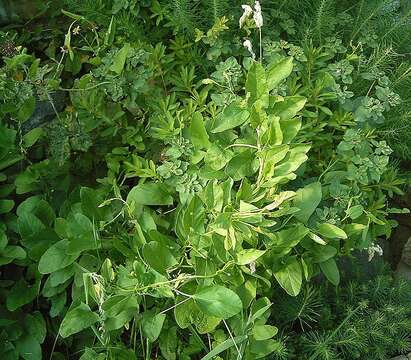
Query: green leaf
{"points": [[32, 136], [21, 294], [256, 84], [90, 354], [151, 324], [77, 319], [290, 129], [198, 132], [279, 71], [289, 108], [264, 332], [224, 346], [218, 301], [247, 256], [261, 349], [232, 116], [120, 59], [307, 200], [330, 270], [289, 276], [56, 257], [28, 347], [116, 304], [158, 256], [149, 194], [323, 252], [355, 211], [6, 206], [331, 231], [27, 109]]}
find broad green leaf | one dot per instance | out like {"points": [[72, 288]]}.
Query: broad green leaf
{"points": [[290, 129], [307, 199], [184, 312], [261, 349], [247, 256], [218, 301], [259, 310], [256, 84], [28, 347], [116, 304], [242, 165], [36, 326], [158, 256], [198, 132], [331, 231], [289, 276], [283, 241], [279, 71], [6, 206], [151, 324], [264, 332], [168, 343], [80, 231], [294, 159], [90, 354], [149, 194], [21, 294], [120, 59], [317, 239], [289, 108], [32, 136], [27, 109], [355, 211], [77, 319], [323, 252], [330, 270], [56, 257], [232, 116], [224, 346]]}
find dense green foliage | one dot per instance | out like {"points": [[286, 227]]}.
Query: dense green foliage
{"points": [[173, 186]]}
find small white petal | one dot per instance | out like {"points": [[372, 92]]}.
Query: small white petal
{"points": [[247, 11], [247, 44], [258, 15]]}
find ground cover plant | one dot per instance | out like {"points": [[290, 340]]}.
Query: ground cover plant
{"points": [[178, 182]]}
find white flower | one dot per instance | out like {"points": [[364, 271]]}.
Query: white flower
{"points": [[252, 267], [373, 249], [247, 44], [258, 15], [247, 11]]}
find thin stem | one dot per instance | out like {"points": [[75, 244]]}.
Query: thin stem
{"points": [[175, 305], [232, 338]]}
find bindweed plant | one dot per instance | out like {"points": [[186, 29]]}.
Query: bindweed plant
{"points": [[181, 186]]}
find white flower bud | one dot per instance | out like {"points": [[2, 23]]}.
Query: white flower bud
{"points": [[258, 15], [247, 11], [247, 44]]}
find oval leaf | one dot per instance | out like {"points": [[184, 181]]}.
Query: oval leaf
{"points": [[218, 301]]}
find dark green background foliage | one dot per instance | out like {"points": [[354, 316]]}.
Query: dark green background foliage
{"points": [[164, 195]]}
